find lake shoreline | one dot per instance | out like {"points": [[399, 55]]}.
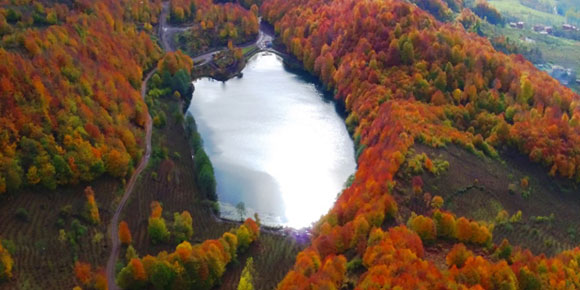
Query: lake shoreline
{"points": [[332, 108]]}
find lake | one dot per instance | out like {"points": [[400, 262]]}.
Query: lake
{"points": [[275, 142]]}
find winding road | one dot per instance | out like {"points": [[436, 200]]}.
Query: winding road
{"points": [[166, 32], [115, 243]]}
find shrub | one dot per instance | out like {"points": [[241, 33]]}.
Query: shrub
{"points": [[517, 217], [182, 226], [6, 263], [77, 230], [437, 202], [83, 272], [132, 276], [66, 211], [92, 211], [247, 279], [512, 188], [502, 217], [446, 224], [189, 267], [131, 253], [207, 182], [157, 230], [160, 120], [244, 239], [22, 214], [504, 251], [525, 182], [417, 183], [354, 264], [423, 226], [9, 246], [458, 255], [528, 280]]}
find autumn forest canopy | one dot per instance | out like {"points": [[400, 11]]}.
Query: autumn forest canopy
{"points": [[70, 76], [405, 77], [406, 72]]}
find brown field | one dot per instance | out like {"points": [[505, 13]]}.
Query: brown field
{"points": [[176, 189], [41, 260], [478, 189]]}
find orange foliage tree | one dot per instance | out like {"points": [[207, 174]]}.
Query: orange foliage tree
{"points": [[124, 233], [91, 279], [458, 255], [92, 210], [189, 266], [157, 228], [405, 77], [69, 101]]}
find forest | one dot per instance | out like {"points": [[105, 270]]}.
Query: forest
{"points": [[214, 25], [404, 77], [71, 113], [69, 101]]}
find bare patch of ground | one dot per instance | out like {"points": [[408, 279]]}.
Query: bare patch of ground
{"points": [[479, 188]]}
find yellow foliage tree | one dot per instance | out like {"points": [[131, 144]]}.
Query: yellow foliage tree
{"points": [[6, 263]]}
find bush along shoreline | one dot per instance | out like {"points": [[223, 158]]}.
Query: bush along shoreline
{"points": [[204, 172], [173, 78]]}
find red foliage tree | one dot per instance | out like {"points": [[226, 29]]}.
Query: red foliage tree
{"points": [[124, 233]]}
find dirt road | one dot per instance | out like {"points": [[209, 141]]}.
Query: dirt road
{"points": [[115, 243]]}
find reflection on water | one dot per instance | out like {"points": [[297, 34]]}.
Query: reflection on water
{"points": [[275, 143]]}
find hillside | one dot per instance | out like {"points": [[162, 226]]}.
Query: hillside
{"points": [[405, 77], [468, 165], [71, 116], [70, 102]]}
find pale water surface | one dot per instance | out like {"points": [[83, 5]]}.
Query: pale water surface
{"points": [[275, 143]]}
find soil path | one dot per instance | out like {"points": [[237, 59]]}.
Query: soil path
{"points": [[115, 243]]}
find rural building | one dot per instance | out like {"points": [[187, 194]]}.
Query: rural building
{"points": [[520, 25], [549, 29], [538, 28], [567, 27], [513, 25]]}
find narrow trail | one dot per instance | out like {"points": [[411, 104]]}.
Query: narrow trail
{"points": [[115, 243], [114, 228]]}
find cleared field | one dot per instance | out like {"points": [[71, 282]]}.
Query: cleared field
{"points": [[555, 50], [480, 188], [172, 182], [42, 261], [523, 13]]}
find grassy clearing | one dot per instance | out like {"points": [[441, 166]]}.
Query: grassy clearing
{"points": [[531, 16], [479, 188], [555, 50], [247, 49]]}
